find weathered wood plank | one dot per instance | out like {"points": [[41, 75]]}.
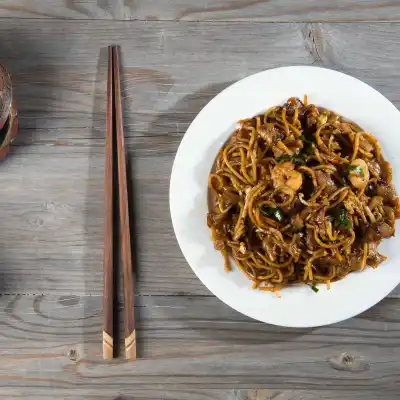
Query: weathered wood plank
{"points": [[52, 345], [200, 394], [179, 67], [209, 10], [53, 237], [207, 394], [53, 203]]}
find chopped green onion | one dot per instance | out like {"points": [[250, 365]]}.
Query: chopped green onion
{"points": [[307, 140], [295, 159], [357, 169], [298, 160], [308, 145], [284, 157], [314, 288], [272, 212], [309, 150], [340, 216], [278, 215]]}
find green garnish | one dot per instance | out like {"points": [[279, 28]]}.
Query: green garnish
{"points": [[295, 159], [357, 169], [340, 216], [308, 145], [309, 150], [272, 212], [308, 140], [314, 288], [284, 157], [304, 139], [298, 160]]}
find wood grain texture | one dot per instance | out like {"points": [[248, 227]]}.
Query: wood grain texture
{"points": [[183, 65], [53, 345], [204, 394], [54, 177], [190, 345], [208, 10], [56, 223]]}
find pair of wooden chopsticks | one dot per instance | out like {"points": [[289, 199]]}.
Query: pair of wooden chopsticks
{"points": [[115, 131]]}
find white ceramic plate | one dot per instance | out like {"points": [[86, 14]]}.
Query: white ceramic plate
{"points": [[298, 306]]}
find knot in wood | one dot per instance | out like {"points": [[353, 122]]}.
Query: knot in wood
{"points": [[73, 355], [347, 362]]}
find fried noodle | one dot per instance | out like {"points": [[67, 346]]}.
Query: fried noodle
{"points": [[300, 195]]}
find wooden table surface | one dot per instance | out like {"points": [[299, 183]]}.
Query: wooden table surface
{"points": [[177, 54]]}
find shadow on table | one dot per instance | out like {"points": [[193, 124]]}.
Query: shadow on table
{"points": [[20, 54], [36, 83]]}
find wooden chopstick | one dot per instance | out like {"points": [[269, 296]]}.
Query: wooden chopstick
{"points": [[108, 292], [125, 236]]}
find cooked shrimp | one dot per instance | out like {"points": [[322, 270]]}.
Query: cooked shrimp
{"points": [[358, 173], [285, 175]]}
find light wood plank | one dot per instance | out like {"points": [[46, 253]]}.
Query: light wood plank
{"points": [[209, 10], [210, 394], [172, 70], [53, 241], [52, 345], [53, 204], [203, 394]]}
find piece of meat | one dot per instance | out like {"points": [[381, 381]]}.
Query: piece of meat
{"points": [[387, 192], [291, 106], [390, 215], [297, 222], [311, 116], [242, 133], [294, 145], [376, 201], [311, 244], [230, 197], [378, 231], [370, 189], [295, 246], [386, 171], [366, 145], [327, 261], [318, 220], [293, 208], [344, 127], [341, 267], [324, 178], [385, 229], [375, 260], [355, 260], [374, 168], [373, 257], [270, 134]]}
